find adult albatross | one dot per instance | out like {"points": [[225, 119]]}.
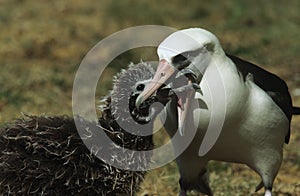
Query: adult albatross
{"points": [[256, 116]]}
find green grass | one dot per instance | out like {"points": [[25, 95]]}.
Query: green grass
{"points": [[43, 43]]}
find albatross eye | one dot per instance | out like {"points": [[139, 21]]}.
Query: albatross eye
{"points": [[179, 58], [183, 60]]}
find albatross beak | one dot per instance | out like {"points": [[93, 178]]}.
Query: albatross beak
{"points": [[163, 73]]}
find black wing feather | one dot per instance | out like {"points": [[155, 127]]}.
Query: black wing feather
{"points": [[275, 87]]}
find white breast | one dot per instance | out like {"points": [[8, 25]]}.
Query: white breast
{"points": [[253, 121]]}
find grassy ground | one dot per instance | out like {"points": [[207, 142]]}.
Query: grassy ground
{"points": [[43, 43]]}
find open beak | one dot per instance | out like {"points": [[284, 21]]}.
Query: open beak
{"points": [[163, 73]]}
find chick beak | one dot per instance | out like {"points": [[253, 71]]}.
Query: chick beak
{"points": [[163, 73]]}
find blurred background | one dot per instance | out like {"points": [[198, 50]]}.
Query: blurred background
{"points": [[43, 42]]}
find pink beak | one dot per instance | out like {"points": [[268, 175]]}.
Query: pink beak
{"points": [[163, 73]]}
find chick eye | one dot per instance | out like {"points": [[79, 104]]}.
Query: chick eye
{"points": [[140, 87]]}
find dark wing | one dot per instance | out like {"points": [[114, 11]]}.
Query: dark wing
{"points": [[275, 87]]}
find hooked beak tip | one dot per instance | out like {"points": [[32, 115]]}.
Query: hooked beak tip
{"points": [[139, 101]]}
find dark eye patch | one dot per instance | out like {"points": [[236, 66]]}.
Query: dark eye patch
{"points": [[192, 53], [179, 58], [182, 60]]}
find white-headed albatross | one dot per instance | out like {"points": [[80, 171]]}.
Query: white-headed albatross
{"points": [[258, 108]]}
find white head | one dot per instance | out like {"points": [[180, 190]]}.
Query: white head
{"points": [[191, 48], [187, 51], [185, 41]]}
